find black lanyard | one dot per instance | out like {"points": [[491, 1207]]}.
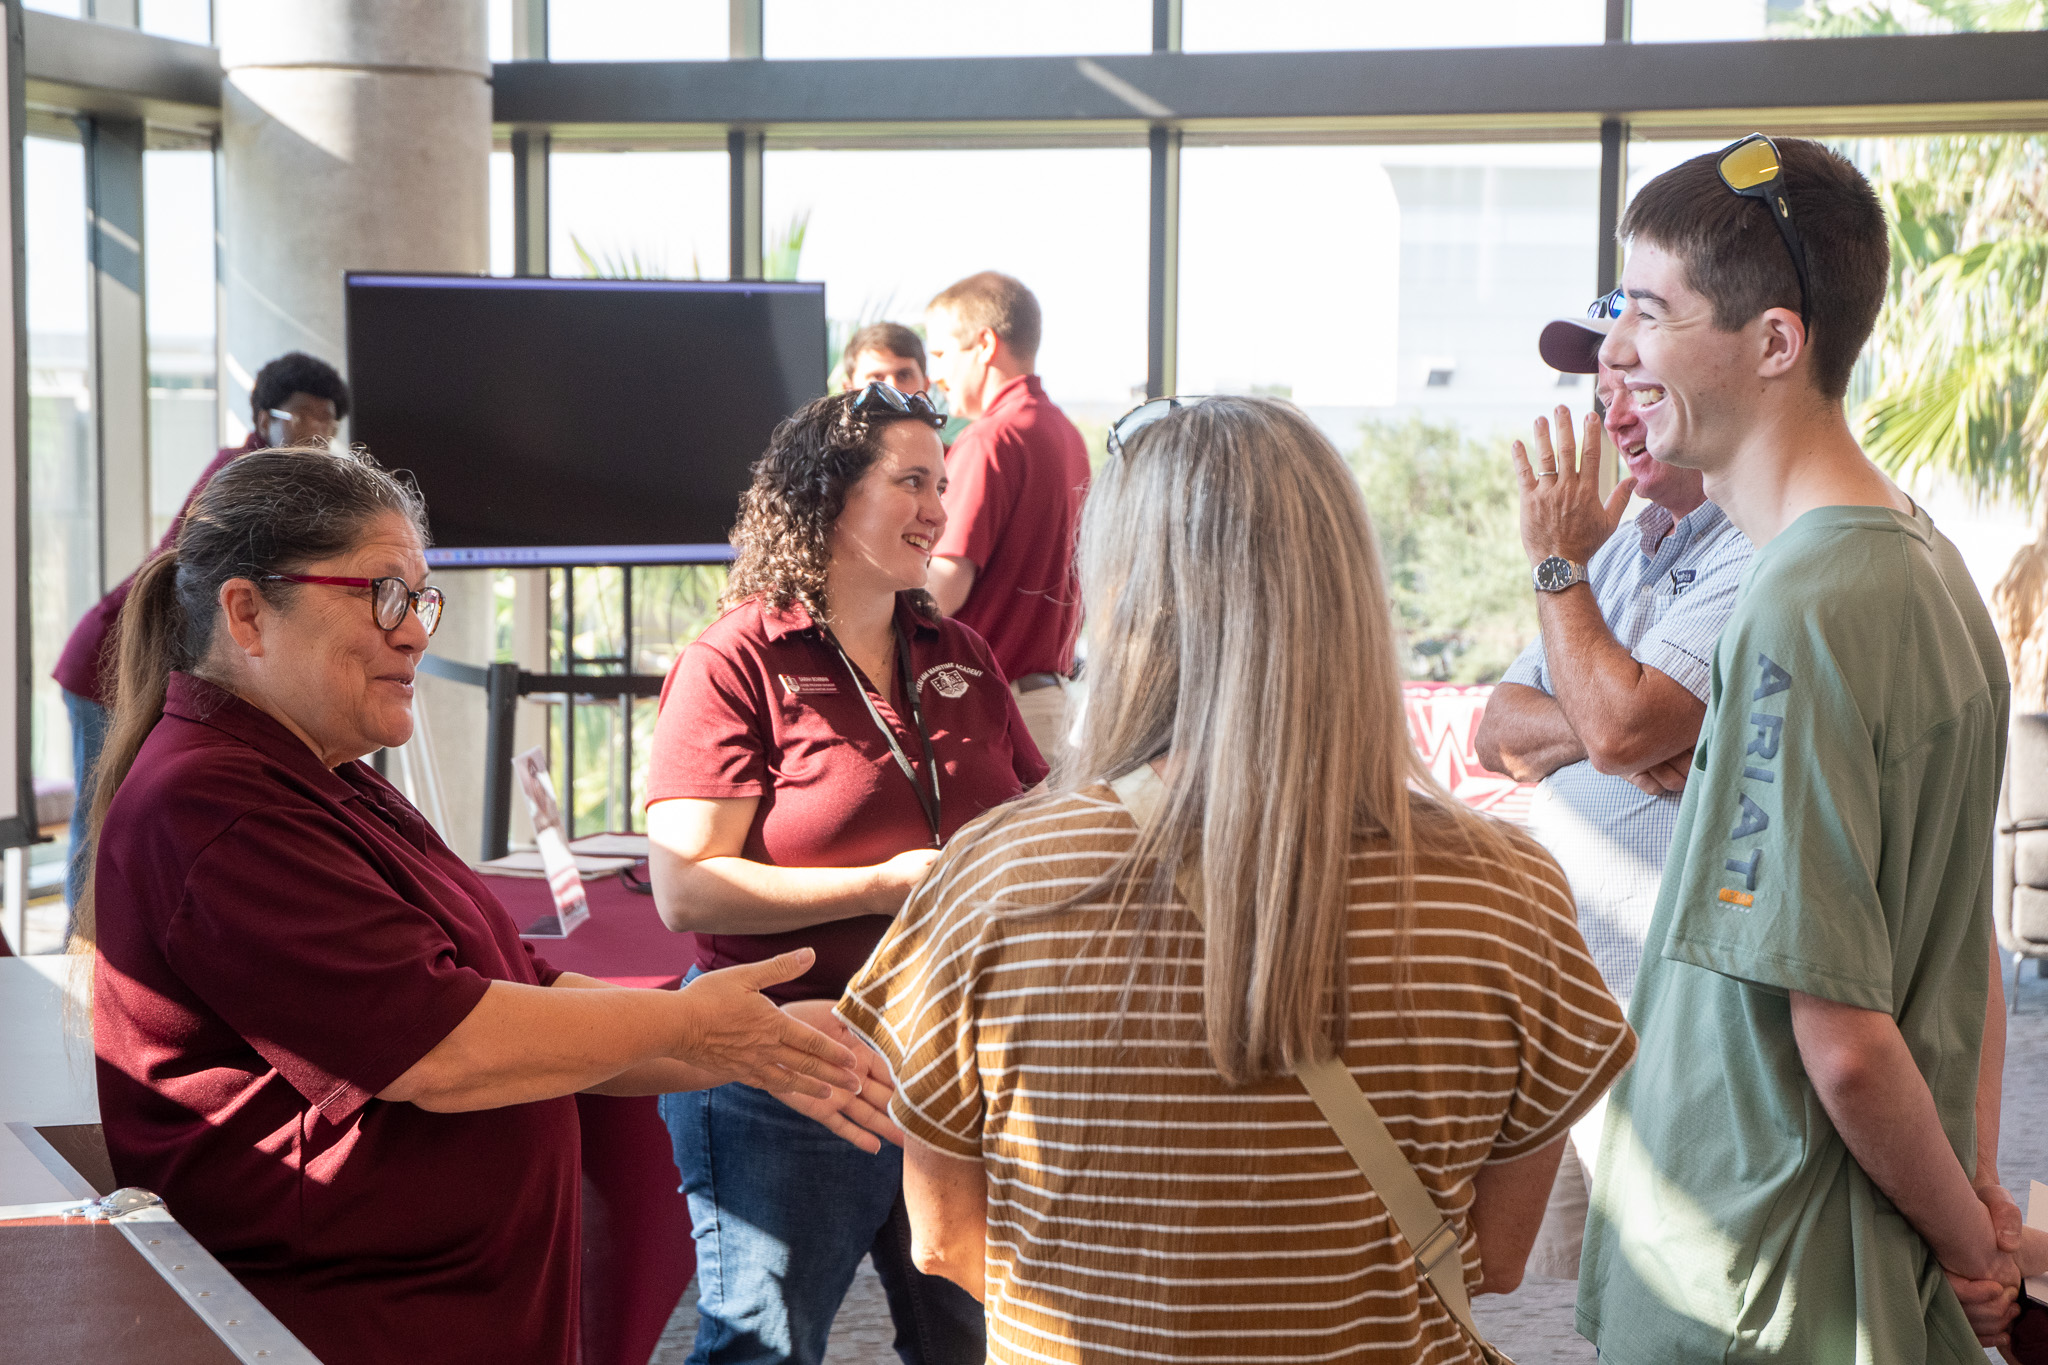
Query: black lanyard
{"points": [[929, 804]]}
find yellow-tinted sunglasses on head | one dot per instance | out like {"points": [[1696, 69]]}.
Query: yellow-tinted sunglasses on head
{"points": [[1752, 168]]}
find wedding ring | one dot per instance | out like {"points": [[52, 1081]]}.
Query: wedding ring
{"points": [[1546, 473]]}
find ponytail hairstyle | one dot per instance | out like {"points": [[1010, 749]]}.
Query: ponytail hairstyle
{"points": [[270, 511]]}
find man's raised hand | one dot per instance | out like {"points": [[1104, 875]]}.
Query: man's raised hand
{"points": [[1562, 510]]}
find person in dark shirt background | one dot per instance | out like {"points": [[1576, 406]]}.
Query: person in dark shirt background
{"points": [[297, 400]]}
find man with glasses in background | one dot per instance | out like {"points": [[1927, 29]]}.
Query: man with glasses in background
{"points": [[297, 400], [1004, 565], [1603, 708], [1807, 1140]]}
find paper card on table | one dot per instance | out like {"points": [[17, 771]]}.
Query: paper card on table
{"points": [[2037, 1217], [527, 862], [571, 909], [610, 845]]}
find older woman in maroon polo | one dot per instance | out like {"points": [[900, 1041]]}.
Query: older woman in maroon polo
{"points": [[816, 746], [319, 1036]]}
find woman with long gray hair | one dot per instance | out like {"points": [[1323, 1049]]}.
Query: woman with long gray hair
{"points": [[1095, 1003]]}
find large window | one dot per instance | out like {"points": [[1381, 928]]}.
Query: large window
{"points": [[503, 234], [184, 420], [1322, 25], [622, 30], [1663, 21], [948, 28], [190, 21], [1385, 281], [886, 230], [63, 493], [641, 214], [1396, 294]]}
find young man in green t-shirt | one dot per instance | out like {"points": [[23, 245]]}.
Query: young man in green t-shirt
{"points": [[1801, 1165]]}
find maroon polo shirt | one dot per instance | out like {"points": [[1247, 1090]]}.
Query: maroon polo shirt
{"points": [[279, 941], [86, 667], [1016, 479], [762, 705]]}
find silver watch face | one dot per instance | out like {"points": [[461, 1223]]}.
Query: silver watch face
{"points": [[1556, 573]]}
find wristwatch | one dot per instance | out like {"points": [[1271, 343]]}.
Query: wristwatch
{"points": [[1556, 573]]}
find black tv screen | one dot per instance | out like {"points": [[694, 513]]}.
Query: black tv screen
{"points": [[555, 422]]}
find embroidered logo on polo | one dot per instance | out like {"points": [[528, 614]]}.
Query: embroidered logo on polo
{"points": [[807, 684], [948, 680], [1759, 764]]}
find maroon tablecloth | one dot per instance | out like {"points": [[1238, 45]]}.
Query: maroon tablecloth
{"points": [[637, 1253]]}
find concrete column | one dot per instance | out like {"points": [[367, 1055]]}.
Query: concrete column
{"points": [[357, 136]]}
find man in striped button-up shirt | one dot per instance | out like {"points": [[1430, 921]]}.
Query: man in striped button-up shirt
{"points": [[1604, 707]]}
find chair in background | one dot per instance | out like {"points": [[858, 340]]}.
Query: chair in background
{"points": [[2020, 891]]}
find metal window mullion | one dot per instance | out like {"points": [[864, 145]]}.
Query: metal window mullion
{"points": [[529, 30], [530, 202], [743, 148], [745, 23], [1166, 25], [1620, 21], [1162, 313], [120, 340], [1613, 192]]}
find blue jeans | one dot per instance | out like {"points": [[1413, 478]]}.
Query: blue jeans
{"points": [[782, 1211], [88, 736]]}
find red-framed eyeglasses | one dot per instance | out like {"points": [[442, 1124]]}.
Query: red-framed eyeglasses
{"points": [[390, 598]]}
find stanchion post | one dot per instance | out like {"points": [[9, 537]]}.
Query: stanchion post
{"points": [[501, 693]]}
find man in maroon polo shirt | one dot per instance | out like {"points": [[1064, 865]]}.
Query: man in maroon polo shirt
{"points": [[1005, 562], [297, 400]]}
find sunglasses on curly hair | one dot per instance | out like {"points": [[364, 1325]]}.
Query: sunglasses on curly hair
{"points": [[880, 397]]}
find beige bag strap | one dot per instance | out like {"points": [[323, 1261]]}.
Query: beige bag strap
{"points": [[1358, 1126]]}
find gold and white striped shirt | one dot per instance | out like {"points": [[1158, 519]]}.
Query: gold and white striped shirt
{"points": [[1142, 1210]]}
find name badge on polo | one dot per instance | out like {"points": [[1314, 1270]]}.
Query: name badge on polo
{"points": [[1681, 579], [807, 684]]}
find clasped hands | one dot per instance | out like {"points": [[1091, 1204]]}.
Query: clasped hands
{"points": [[1989, 1289], [860, 1115]]}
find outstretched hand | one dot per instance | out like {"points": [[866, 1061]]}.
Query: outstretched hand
{"points": [[860, 1115], [1562, 511], [735, 1033]]}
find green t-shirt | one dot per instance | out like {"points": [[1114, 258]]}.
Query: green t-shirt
{"points": [[1835, 838]]}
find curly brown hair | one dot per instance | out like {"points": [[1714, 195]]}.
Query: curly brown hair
{"points": [[784, 531]]}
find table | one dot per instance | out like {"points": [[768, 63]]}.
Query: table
{"points": [[84, 1293], [637, 1253]]}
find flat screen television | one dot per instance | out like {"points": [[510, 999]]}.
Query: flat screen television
{"points": [[556, 422]]}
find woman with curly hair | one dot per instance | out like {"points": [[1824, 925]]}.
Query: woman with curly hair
{"points": [[816, 747]]}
